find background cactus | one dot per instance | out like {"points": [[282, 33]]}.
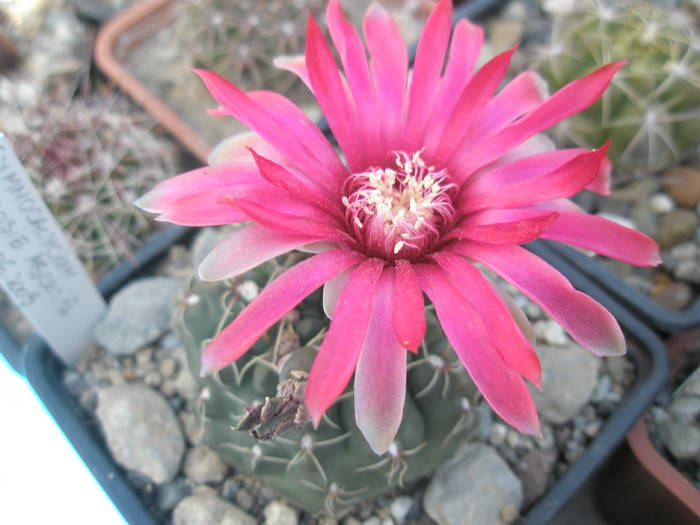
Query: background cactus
{"points": [[330, 469], [90, 158], [652, 109]]}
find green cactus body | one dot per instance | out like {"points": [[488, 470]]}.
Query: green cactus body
{"points": [[652, 109], [329, 469]]}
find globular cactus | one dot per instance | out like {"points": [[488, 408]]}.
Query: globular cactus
{"points": [[240, 39], [90, 158], [651, 111], [329, 469]]}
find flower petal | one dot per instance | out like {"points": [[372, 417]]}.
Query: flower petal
{"points": [[380, 376], [201, 180], [337, 357], [505, 334], [605, 237], [477, 227], [295, 64], [523, 182], [591, 325], [501, 386], [352, 56], [294, 224], [430, 57], [389, 68], [331, 94], [245, 249], [274, 301], [407, 306], [571, 99], [331, 292], [234, 149]]}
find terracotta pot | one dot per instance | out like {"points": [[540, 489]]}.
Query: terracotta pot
{"points": [[639, 485]]}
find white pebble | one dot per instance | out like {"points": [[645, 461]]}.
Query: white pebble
{"points": [[248, 290], [661, 203], [550, 332], [400, 507]]}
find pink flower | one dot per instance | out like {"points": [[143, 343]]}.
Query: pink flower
{"points": [[439, 172]]}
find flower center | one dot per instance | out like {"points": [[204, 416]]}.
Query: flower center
{"points": [[399, 213]]}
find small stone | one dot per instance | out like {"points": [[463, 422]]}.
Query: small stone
{"points": [[472, 488], [138, 315], [203, 465], [691, 386], [509, 513], [244, 499], [676, 227], [206, 509], [498, 434], [279, 513], [141, 431], [248, 290], [230, 487], [683, 184], [374, 520], [688, 271], [153, 379], [591, 430], [550, 332], [681, 440], [569, 375], [168, 367], [512, 438], [170, 494], [661, 203], [192, 427], [400, 507], [535, 469], [674, 295]]}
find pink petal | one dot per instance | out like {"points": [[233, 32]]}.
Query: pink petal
{"points": [[389, 68], [569, 100], [408, 308], [245, 249], [605, 237], [470, 105], [295, 184], [352, 56], [205, 209], [275, 300], [586, 320], [235, 149], [294, 224], [337, 357], [505, 334], [331, 94], [199, 181], [295, 64], [467, 40], [522, 182], [513, 232], [430, 56], [601, 183], [331, 292], [380, 377], [501, 386], [269, 126]]}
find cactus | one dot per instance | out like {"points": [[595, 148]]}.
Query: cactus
{"points": [[651, 109], [329, 469], [90, 158]]}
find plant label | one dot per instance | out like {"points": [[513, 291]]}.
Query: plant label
{"points": [[39, 269]]}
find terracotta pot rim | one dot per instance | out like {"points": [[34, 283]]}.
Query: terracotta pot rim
{"points": [[107, 39]]}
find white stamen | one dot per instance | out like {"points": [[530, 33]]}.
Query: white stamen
{"points": [[398, 246]]}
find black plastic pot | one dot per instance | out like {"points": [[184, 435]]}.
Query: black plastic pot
{"points": [[45, 372], [662, 319]]}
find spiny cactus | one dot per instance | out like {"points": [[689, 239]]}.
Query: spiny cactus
{"points": [[240, 39], [329, 469], [652, 109], [90, 159]]}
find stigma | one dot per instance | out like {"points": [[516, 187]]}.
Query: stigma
{"points": [[399, 211]]}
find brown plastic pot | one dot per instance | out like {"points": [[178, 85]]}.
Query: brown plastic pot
{"points": [[144, 17], [639, 486]]}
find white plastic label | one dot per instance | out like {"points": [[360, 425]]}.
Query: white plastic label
{"points": [[39, 269]]}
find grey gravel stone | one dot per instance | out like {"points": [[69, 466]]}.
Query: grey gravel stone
{"points": [[569, 375], [141, 430], [279, 513], [681, 440], [203, 465], [171, 494], [206, 509], [472, 488], [535, 469], [138, 315], [400, 507]]}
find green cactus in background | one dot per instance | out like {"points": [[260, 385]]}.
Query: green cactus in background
{"points": [[329, 469], [652, 109], [90, 158]]}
